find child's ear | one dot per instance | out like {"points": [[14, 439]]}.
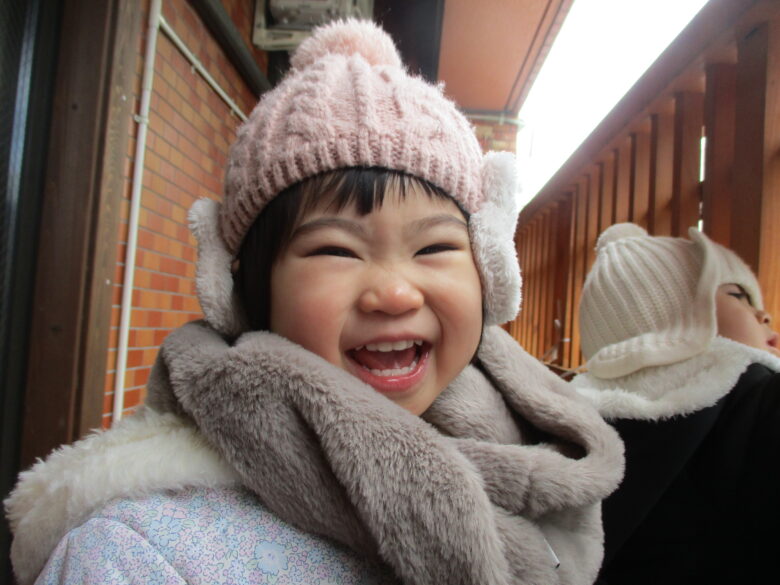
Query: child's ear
{"points": [[213, 276], [492, 231]]}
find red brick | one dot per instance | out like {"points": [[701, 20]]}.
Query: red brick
{"points": [[134, 358]]}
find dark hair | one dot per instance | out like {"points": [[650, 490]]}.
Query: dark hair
{"points": [[271, 232]]}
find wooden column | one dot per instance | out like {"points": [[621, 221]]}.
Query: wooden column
{"points": [[639, 211], [756, 206], [581, 261], [572, 285], [545, 294], [524, 267], [592, 230], [688, 121], [718, 187], [659, 221], [607, 191], [539, 283], [596, 173], [79, 221], [623, 186], [533, 297], [562, 274]]}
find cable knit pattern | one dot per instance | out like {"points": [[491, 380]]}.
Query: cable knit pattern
{"points": [[347, 103], [650, 301]]}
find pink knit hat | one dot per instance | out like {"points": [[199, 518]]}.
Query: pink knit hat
{"points": [[348, 102]]}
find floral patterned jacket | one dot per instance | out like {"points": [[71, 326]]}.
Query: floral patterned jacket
{"points": [[199, 536]]}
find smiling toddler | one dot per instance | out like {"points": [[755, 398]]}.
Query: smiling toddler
{"points": [[348, 411]]}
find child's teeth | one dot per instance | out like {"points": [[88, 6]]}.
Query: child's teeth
{"points": [[395, 371], [390, 345]]}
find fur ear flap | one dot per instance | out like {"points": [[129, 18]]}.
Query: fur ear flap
{"points": [[492, 230], [213, 278]]}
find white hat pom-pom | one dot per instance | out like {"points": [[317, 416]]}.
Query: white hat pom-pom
{"points": [[347, 37], [617, 232]]}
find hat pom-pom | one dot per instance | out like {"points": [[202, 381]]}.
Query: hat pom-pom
{"points": [[347, 37], [617, 232]]}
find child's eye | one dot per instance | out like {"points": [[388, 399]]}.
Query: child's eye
{"points": [[435, 249], [333, 251], [741, 295]]}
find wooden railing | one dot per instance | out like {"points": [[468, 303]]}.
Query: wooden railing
{"points": [[719, 81]]}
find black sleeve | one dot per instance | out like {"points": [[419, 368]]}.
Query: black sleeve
{"points": [[755, 410], [700, 502], [656, 451]]}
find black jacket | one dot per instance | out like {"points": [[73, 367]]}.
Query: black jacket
{"points": [[699, 501]]}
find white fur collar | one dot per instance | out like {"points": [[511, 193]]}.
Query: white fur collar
{"points": [[660, 392], [143, 453]]}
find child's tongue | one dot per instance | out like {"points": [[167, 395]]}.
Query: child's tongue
{"points": [[385, 360]]}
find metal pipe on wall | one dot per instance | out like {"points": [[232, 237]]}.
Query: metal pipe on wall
{"points": [[157, 22], [135, 208], [166, 28]]}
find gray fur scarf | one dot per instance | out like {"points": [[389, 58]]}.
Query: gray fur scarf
{"points": [[457, 498]]}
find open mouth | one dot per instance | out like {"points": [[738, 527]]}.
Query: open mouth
{"points": [[772, 342], [390, 366]]}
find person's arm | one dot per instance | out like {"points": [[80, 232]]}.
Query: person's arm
{"points": [[656, 452]]}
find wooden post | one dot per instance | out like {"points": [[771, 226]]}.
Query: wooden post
{"points": [[593, 218], [524, 267], [607, 191], [574, 263], [545, 293], [686, 192], [756, 205], [640, 211], [561, 272], [661, 173], [72, 301], [578, 261], [623, 186], [718, 187], [533, 297]]}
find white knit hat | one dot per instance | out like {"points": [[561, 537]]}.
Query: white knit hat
{"points": [[650, 301]]}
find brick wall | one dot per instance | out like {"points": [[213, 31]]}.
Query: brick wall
{"points": [[493, 135], [190, 129]]}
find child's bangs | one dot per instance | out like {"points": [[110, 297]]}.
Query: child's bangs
{"points": [[363, 189]]}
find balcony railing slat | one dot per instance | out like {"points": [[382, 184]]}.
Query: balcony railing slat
{"points": [[623, 174], [718, 189], [661, 172], [688, 122], [640, 177]]}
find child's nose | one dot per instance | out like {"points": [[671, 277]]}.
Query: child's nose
{"points": [[391, 293], [764, 318]]}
